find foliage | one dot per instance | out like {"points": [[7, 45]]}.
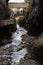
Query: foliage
{"points": [[22, 21], [28, 14], [29, 10]]}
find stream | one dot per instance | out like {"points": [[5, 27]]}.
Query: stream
{"points": [[17, 53], [12, 53]]}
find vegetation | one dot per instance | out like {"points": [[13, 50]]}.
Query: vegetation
{"points": [[24, 21], [29, 10], [33, 18]]}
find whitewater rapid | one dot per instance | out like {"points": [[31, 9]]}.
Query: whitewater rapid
{"points": [[16, 55]]}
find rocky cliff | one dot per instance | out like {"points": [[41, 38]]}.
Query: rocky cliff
{"points": [[4, 10]]}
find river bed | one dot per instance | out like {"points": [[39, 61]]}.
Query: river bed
{"points": [[15, 52]]}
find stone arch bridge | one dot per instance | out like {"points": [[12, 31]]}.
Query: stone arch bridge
{"points": [[18, 5]]}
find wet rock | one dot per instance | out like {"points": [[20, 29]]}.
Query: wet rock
{"points": [[37, 48], [28, 44], [6, 29], [28, 62], [5, 56], [34, 47], [6, 33]]}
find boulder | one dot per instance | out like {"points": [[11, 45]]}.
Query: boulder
{"points": [[6, 29], [37, 48]]}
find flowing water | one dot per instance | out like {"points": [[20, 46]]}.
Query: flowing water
{"points": [[12, 53]]}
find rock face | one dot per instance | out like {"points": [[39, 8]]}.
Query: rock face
{"points": [[6, 32], [36, 27], [37, 48], [7, 23], [4, 10], [36, 22]]}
